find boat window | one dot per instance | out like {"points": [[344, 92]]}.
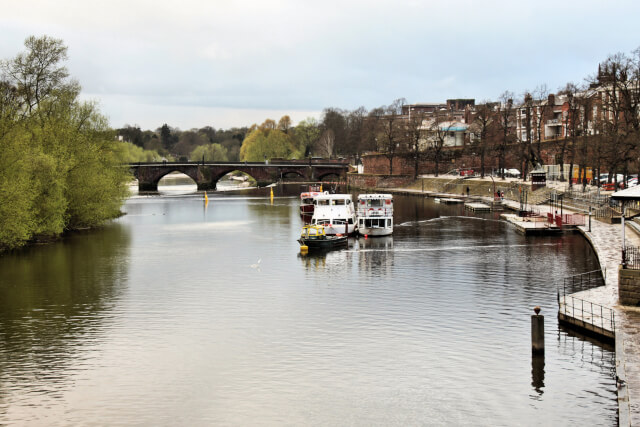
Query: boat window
{"points": [[377, 223], [350, 221], [323, 202], [307, 201], [338, 202], [376, 203]]}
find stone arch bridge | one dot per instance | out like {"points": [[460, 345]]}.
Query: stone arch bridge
{"points": [[206, 175]]}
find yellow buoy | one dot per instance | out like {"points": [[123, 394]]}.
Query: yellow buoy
{"points": [[304, 249]]}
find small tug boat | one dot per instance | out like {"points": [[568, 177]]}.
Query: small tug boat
{"points": [[375, 214], [313, 237]]}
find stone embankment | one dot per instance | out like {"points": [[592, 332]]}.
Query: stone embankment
{"points": [[606, 240]]}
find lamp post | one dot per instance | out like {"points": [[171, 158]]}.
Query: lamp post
{"points": [[494, 186]]}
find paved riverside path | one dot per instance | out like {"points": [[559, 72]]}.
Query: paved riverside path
{"points": [[606, 240]]}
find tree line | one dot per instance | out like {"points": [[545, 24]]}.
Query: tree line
{"points": [[60, 168], [598, 118]]}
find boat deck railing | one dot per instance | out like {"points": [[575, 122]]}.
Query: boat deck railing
{"points": [[371, 211]]}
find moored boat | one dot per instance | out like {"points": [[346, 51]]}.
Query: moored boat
{"points": [[306, 199], [314, 237], [335, 212], [375, 214]]}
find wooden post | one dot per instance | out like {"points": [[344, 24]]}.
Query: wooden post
{"points": [[537, 332]]}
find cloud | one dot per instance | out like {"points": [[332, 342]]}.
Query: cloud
{"points": [[143, 57]]}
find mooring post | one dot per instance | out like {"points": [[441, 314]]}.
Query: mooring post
{"points": [[537, 332]]}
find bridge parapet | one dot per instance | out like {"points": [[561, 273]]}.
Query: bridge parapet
{"points": [[206, 175]]}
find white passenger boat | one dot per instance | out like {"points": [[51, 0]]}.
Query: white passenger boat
{"points": [[335, 212], [375, 214]]}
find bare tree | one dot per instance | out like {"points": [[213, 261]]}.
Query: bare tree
{"points": [[326, 143], [572, 124], [526, 117], [439, 126], [615, 98], [284, 124], [505, 124], [540, 113], [415, 143], [390, 130], [483, 128], [334, 119], [357, 138]]}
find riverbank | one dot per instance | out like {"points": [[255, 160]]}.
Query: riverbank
{"points": [[606, 240]]}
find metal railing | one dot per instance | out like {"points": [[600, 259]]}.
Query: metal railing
{"points": [[588, 312], [606, 212], [594, 314], [582, 282], [585, 199], [631, 258], [371, 211]]}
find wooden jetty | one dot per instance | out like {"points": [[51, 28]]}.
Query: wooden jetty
{"points": [[477, 207], [448, 201], [531, 225]]}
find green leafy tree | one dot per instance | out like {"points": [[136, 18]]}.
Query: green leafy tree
{"points": [[59, 164], [17, 192], [210, 153], [307, 132], [38, 72], [130, 153], [168, 137], [266, 144]]}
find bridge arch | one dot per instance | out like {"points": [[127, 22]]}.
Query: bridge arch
{"points": [[193, 176], [330, 176], [292, 174], [176, 178], [222, 172], [237, 175]]}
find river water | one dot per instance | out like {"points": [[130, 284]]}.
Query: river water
{"points": [[181, 313]]}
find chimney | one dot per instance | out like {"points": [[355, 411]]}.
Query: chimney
{"points": [[552, 99]]}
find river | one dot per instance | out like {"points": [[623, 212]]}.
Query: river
{"points": [[192, 314]]}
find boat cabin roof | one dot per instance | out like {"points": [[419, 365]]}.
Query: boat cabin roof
{"points": [[333, 197], [312, 194], [312, 230], [374, 196]]}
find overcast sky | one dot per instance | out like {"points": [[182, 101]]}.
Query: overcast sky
{"points": [[195, 63]]}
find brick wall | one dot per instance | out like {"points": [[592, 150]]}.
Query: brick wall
{"points": [[628, 286], [454, 158], [378, 181]]}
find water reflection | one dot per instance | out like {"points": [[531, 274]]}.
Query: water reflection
{"points": [[537, 372], [212, 317], [54, 303]]}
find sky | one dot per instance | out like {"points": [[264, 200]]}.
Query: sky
{"points": [[196, 63]]}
